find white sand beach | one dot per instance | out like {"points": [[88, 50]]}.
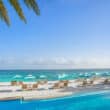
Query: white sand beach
{"points": [[45, 91]]}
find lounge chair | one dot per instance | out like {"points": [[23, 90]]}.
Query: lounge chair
{"points": [[57, 86], [90, 82], [13, 83], [34, 86], [100, 80], [29, 86], [107, 81], [61, 84], [20, 83], [66, 82], [26, 87], [85, 83], [42, 82]]}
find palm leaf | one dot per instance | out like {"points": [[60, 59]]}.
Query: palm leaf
{"points": [[3, 13], [32, 4], [18, 9]]}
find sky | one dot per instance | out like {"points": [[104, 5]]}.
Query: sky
{"points": [[68, 34]]}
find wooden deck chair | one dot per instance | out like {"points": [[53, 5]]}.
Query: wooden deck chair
{"points": [[13, 83], [35, 86]]}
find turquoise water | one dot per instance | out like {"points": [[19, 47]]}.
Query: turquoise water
{"points": [[33, 75], [99, 101]]}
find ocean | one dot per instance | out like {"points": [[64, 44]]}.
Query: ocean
{"points": [[34, 75]]}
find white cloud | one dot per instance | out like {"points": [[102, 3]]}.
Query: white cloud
{"points": [[58, 62]]}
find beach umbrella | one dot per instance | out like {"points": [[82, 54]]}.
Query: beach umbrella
{"points": [[87, 75], [42, 77], [81, 75], [97, 73], [105, 74], [17, 77], [30, 78], [62, 76]]}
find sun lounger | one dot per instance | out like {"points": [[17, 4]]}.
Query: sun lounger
{"points": [[86, 83], [16, 83], [26, 87], [99, 81], [90, 82], [20, 83], [56, 86], [60, 84], [13, 83], [66, 82], [35, 86], [107, 81], [29, 86], [42, 82]]}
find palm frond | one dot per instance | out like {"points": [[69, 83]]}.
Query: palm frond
{"points": [[3, 13], [18, 9], [32, 4]]}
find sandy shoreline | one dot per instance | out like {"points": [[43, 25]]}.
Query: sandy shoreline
{"points": [[8, 92], [44, 93], [29, 95]]}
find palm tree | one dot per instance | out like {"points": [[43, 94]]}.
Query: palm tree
{"points": [[31, 4]]}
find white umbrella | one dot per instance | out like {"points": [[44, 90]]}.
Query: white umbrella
{"points": [[30, 77], [42, 76], [17, 77], [62, 76]]}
